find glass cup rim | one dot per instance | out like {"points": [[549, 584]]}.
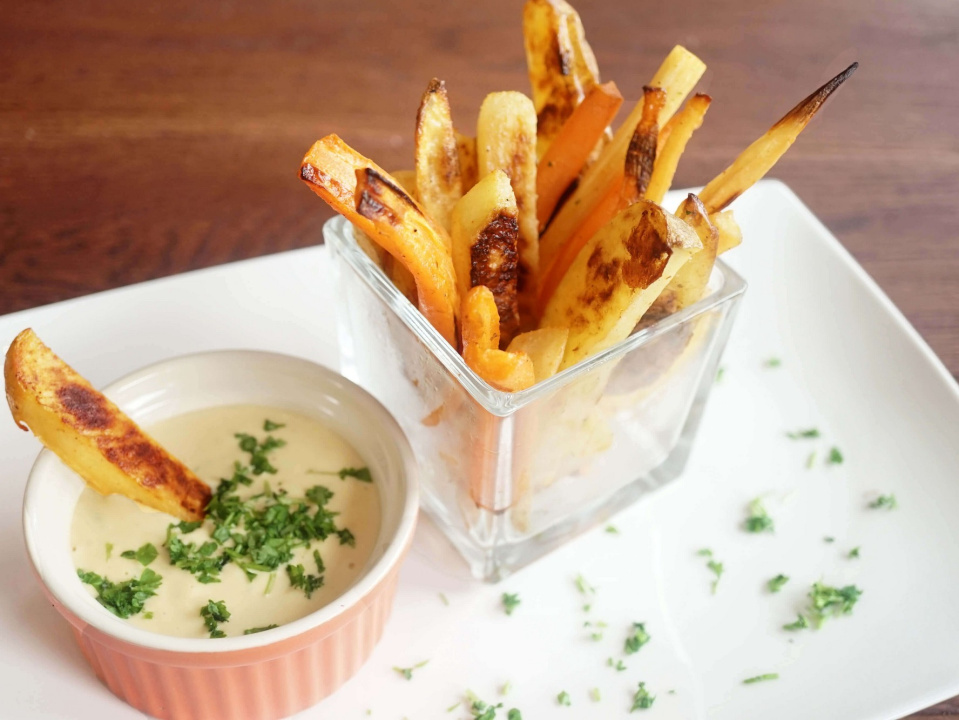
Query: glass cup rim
{"points": [[498, 402]]}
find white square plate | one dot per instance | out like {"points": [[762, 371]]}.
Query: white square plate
{"points": [[851, 366]]}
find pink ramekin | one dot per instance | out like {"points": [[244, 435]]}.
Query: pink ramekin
{"points": [[266, 675]]}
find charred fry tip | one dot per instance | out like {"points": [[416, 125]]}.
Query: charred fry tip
{"points": [[307, 173], [809, 106], [436, 85], [371, 187]]}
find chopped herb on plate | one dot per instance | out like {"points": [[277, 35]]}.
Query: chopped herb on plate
{"points": [[776, 584], [826, 601], [563, 698], [884, 501], [510, 602], [801, 623], [408, 672], [835, 457], [761, 678], [612, 530], [773, 362], [636, 639], [618, 665], [854, 553], [594, 695], [808, 434], [758, 520], [642, 700]]}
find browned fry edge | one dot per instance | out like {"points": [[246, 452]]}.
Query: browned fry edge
{"points": [[641, 155]]}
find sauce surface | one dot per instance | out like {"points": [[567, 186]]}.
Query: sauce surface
{"points": [[205, 440]]}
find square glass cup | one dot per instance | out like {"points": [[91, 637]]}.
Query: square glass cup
{"points": [[510, 476]]}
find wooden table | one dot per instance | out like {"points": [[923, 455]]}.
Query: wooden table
{"points": [[139, 141]]}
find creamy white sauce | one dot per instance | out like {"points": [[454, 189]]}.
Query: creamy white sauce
{"points": [[205, 441]]}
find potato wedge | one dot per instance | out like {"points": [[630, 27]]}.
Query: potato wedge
{"points": [[678, 131], [617, 276], [506, 371], [678, 74], [401, 226], [759, 158], [561, 64], [92, 436], [485, 246], [466, 149], [545, 347], [438, 181], [505, 140]]}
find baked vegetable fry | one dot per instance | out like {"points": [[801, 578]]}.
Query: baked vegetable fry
{"points": [[561, 64], [756, 160], [730, 235], [92, 436], [485, 246], [689, 283], [545, 347], [466, 149], [407, 233], [506, 371], [573, 144], [505, 136], [617, 276], [438, 181], [678, 74], [625, 187], [678, 131], [330, 170]]}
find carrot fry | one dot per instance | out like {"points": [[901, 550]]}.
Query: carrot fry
{"points": [[681, 129], [572, 146], [504, 370]]}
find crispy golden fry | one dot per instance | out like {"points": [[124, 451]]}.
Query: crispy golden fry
{"points": [[92, 436], [506, 131], [466, 149], [680, 129], [507, 371], [730, 235], [641, 154], [400, 226], [678, 74], [617, 276], [756, 160], [545, 347], [406, 179], [438, 181], [562, 67], [689, 283], [330, 170], [485, 246]]}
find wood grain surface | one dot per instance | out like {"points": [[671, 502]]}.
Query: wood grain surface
{"points": [[139, 140]]}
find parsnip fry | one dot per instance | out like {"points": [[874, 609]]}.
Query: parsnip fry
{"points": [[330, 170], [507, 371], [466, 149], [505, 137], [92, 436], [438, 181], [677, 76], [485, 246], [617, 276], [562, 67], [730, 235], [678, 132], [689, 283], [572, 146], [641, 154], [756, 160], [545, 347]]}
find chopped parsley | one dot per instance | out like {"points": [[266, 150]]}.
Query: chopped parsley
{"points": [[612, 530], [705, 552], [144, 555], [269, 425], [300, 579], [510, 602], [885, 501], [408, 672], [719, 374], [835, 457], [618, 665], [258, 450], [854, 553], [801, 623], [362, 474], [776, 584], [514, 714], [826, 601], [808, 434], [594, 695], [761, 678], [584, 587], [598, 635], [484, 711], [717, 570], [773, 362], [811, 460], [126, 598], [214, 613], [109, 547], [758, 520], [636, 639], [642, 700], [564, 699], [504, 690], [829, 539], [253, 631], [148, 615], [444, 599]]}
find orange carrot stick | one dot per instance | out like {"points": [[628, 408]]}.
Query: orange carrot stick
{"points": [[569, 150]]}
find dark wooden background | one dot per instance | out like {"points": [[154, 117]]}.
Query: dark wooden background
{"points": [[141, 139]]}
